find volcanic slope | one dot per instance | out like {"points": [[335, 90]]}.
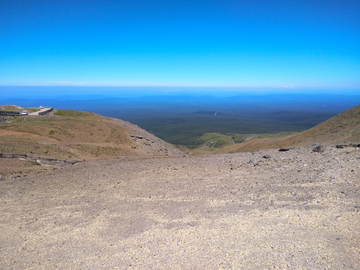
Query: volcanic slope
{"points": [[297, 209], [74, 136], [80, 135], [269, 209], [344, 127]]}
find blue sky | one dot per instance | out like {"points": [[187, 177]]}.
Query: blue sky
{"points": [[254, 43]]}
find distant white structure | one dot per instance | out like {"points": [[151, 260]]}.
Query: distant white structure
{"points": [[41, 107], [24, 112]]}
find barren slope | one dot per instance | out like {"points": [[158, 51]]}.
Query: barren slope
{"points": [[290, 210]]}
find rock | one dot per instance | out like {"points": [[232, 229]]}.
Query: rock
{"points": [[318, 149], [266, 156]]}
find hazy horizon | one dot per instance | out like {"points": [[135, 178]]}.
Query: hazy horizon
{"points": [[123, 91]]}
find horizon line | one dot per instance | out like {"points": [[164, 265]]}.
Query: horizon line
{"points": [[286, 87]]}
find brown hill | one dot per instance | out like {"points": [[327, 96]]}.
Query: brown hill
{"points": [[344, 127], [79, 135], [74, 136]]}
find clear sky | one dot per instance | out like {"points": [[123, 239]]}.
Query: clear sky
{"points": [[245, 43]]}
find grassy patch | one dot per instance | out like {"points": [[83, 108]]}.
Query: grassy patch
{"points": [[71, 113], [30, 110], [17, 120], [98, 151], [239, 138], [214, 140], [76, 136]]}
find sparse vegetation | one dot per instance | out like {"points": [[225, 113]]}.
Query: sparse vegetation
{"points": [[71, 113], [30, 110], [213, 140], [240, 138], [76, 134], [17, 119]]}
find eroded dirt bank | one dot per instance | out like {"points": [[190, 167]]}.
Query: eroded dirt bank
{"points": [[282, 210]]}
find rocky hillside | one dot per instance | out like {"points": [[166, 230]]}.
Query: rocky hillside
{"points": [[344, 127]]}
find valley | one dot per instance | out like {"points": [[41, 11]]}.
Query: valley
{"points": [[185, 135], [134, 201]]}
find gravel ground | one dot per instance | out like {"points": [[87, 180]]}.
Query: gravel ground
{"points": [[295, 209]]}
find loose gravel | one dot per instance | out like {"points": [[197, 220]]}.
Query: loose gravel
{"points": [[271, 209]]}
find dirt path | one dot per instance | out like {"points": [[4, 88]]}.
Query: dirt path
{"points": [[41, 111], [289, 210]]}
